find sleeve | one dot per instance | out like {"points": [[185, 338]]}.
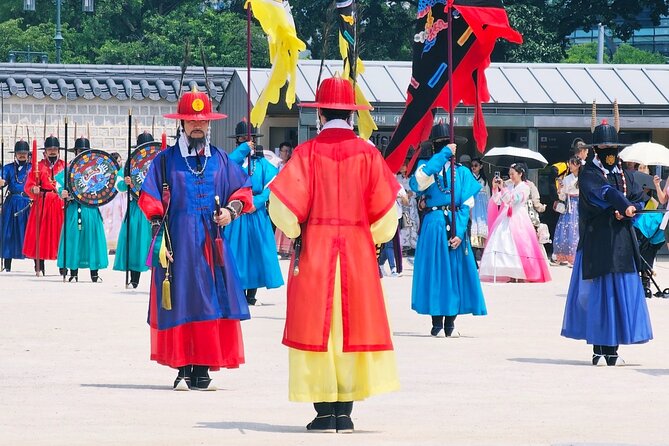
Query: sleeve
{"points": [[240, 154], [150, 200], [30, 182], [382, 188], [269, 173], [292, 186], [239, 183], [420, 181], [60, 181], [120, 181], [383, 230], [283, 218]]}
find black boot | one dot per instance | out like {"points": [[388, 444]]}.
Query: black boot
{"points": [[251, 296], [343, 415], [325, 421], [41, 266], [74, 275], [134, 278], [200, 378], [597, 354], [611, 355], [62, 271], [449, 326], [94, 276], [8, 265], [437, 325], [183, 381]]}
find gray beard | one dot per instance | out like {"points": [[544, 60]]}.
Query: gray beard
{"points": [[196, 143]]}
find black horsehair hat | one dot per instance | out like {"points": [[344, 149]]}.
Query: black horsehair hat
{"points": [[440, 132], [144, 137], [605, 136], [51, 142], [81, 143], [21, 146], [242, 129]]}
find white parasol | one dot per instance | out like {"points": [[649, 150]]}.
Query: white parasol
{"points": [[506, 156], [648, 153]]}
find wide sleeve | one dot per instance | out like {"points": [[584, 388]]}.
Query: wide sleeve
{"points": [[283, 218], [238, 155], [150, 200], [30, 182], [239, 184], [382, 188], [60, 181], [383, 230], [292, 186], [269, 172], [120, 181]]}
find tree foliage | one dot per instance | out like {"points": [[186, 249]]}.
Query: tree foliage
{"points": [[153, 31], [625, 54]]}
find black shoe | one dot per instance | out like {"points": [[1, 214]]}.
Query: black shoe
{"points": [[183, 380], [134, 284], [596, 358], [95, 277], [62, 271], [613, 360], [326, 424], [202, 383], [344, 424], [251, 302], [75, 278], [435, 331]]}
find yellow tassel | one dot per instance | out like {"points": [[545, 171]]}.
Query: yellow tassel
{"points": [[593, 120], [167, 298]]}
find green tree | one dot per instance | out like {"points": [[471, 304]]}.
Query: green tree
{"points": [[585, 53], [627, 54], [540, 40]]}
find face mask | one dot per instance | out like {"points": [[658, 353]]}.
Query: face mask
{"points": [[23, 163], [608, 157], [53, 159]]}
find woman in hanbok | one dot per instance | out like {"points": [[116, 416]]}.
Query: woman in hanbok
{"points": [[513, 252], [410, 220], [566, 235], [284, 245], [479, 231], [112, 213]]}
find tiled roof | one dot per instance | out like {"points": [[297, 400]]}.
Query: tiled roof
{"points": [[548, 84], [141, 82]]}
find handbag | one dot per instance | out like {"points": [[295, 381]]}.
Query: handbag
{"points": [[560, 207], [534, 215], [405, 221]]}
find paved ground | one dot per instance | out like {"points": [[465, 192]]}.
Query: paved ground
{"points": [[74, 370]]}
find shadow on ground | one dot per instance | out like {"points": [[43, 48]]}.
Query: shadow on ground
{"points": [[128, 386]]}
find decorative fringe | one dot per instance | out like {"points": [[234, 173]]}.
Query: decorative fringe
{"points": [[616, 115], [166, 302], [593, 121]]}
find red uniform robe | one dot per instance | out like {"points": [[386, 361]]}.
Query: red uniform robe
{"points": [[47, 210], [337, 185]]}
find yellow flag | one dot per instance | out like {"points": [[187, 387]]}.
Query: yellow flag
{"points": [[284, 48]]}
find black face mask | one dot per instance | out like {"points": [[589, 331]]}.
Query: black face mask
{"points": [[53, 159], [608, 157], [22, 163]]}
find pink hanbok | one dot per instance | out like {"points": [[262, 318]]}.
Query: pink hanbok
{"points": [[512, 250]]}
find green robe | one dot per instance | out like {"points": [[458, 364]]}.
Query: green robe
{"points": [[140, 235], [86, 243]]}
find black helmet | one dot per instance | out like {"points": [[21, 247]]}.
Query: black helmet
{"points": [[440, 133], [605, 135], [81, 144], [144, 137], [21, 147], [242, 129]]}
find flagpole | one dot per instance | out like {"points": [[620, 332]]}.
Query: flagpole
{"points": [[451, 121], [248, 78]]}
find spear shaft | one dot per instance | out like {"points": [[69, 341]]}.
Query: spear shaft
{"points": [[451, 120], [127, 208]]}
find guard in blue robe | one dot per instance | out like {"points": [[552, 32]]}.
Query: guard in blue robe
{"points": [[251, 236], [446, 281], [16, 207], [606, 305]]}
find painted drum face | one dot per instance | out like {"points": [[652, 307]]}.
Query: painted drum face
{"points": [[138, 164], [91, 178]]}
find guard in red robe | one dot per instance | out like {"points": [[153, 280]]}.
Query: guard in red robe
{"points": [[338, 194], [46, 217]]}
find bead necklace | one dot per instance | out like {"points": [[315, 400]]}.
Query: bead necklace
{"points": [[622, 173], [197, 173], [443, 187]]}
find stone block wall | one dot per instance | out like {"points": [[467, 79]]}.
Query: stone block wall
{"points": [[106, 120]]}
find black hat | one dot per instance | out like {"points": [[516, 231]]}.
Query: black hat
{"points": [[81, 144], [242, 129], [440, 132], [605, 136], [52, 141], [21, 147], [144, 137]]}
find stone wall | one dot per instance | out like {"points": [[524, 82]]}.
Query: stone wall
{"points": [[106, 119]]}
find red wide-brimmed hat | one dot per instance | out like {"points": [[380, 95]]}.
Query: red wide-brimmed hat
{"points": [[336, 93], [195, 105]]}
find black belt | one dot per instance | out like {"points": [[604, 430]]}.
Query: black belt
{"points": [[441, 208], [20, 194]]}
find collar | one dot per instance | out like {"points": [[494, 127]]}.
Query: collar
{"points": [[601, 167], [183, 147], [337, 124]]}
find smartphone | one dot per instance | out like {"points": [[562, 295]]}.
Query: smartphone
{"points": [[497, 176]]}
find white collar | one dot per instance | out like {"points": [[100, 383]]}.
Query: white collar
{"points": [[596, 161], [337, 124], [183, 147]]}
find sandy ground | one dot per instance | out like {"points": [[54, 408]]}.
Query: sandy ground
{"points": [[74, 370]]}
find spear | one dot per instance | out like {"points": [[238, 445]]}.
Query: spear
{"points": [[127, 211], [65, 187], [41, 208], [2, 166], [451, 121], [248, 77]]}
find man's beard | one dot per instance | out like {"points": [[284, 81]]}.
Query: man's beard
{"points": [[53, 159], [22, 162], [196, 143]]}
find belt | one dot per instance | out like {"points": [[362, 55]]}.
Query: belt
{"points": [[442, 208], [20, 194]]}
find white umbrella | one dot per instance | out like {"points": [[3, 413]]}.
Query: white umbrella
{"points": [[506, 156], [272, 157], [648, 153]]}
